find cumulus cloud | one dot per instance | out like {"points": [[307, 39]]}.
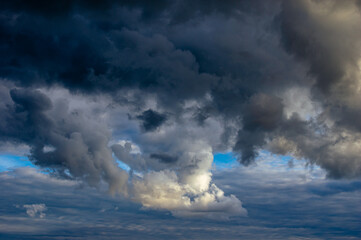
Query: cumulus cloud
{"points": [[161, 190], [188, 191], [160, 87], [35, 210], [78, 148], [78, 145]]}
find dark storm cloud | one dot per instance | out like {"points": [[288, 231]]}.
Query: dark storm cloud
{"points": [[328, 43], [321, 45], [165, 158], [235, 59], [86, 55], [24, 119], [262, 114], [77, 145], [151, 120], [30, 100], [53, 9]]}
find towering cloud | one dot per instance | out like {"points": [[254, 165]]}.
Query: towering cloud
{"points": [[161, 86], [65, 140]]}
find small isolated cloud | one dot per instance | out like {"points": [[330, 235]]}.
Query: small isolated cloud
{"points": [[35, 210]]}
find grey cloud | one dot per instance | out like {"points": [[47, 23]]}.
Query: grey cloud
{"points": [[151, 119], [328, 45], [312, 37], [165, 158], [134, 161], [331, 209], [30, 100], [248, 144], [78, 145], [209, 77], [262, 114], [34, 210]]}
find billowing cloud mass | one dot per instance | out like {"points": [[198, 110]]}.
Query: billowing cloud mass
{"points": [[139, 95]]}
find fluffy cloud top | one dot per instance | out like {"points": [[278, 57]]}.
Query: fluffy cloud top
{"points": [[84, 84]]}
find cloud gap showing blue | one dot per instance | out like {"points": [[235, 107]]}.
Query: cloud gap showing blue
{"points": [[9, 162]]}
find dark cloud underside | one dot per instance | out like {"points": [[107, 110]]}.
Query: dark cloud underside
{"points": [[162, 85]]}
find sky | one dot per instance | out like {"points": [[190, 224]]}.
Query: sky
{"points": [[180, 119]]}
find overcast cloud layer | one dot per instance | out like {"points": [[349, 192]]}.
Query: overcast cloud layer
{"points": [[139, 95], [281, 204]]}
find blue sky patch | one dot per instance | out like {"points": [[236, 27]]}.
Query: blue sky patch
{"points": [[224, 160], [8, 162]]}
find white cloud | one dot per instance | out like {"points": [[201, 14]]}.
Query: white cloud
{"points": [[188, 190], [162, 190], [35, 210]]}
